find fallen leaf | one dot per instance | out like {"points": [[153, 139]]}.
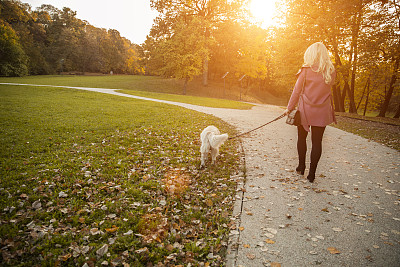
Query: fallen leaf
{"points": [[112, 229], [65, 257], [251, 256], [37, 204], [272, 231], [269, 241], [129, 232], [333, 250], [275, 264], [95, 231], [246, 245], [142, 250], [101, 251], [241, 228], [234, 232], [62, 194]]}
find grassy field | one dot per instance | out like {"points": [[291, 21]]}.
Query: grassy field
{"points": [[146, 86], [89, 178], [382, 130]]}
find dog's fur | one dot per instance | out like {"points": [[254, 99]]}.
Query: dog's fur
{"points": [[211, 140]]}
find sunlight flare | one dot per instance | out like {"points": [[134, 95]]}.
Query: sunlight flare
{"points": [[263, 11]]}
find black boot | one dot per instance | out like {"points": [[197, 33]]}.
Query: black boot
{"points": [[311, 173], [311, 177], [300, 169]]}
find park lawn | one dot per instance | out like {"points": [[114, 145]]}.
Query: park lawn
{"points": [[88, 178], [194, 100], [145, 86]]}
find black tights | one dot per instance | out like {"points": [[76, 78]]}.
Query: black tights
{"points": [[316, 150]]}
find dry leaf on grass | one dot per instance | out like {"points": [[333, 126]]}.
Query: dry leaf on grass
{"points": [[112, 229]]}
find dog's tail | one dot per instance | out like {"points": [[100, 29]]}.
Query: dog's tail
{"points": [[216, 140]]}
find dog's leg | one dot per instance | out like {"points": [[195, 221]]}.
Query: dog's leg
{"points": [[203, 159], [214, 154], [205, 147]]}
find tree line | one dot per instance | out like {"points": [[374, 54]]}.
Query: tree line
{"points": [[49, 40], [210, 38]]}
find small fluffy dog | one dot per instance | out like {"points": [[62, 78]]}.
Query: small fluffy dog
{"points": [[211, 140]]}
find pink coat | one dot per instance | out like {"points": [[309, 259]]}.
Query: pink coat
{"points": [[315, 105]]}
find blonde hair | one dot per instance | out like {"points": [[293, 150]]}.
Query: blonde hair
{"points": [[317, 55]]}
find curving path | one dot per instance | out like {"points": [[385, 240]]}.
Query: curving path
{"points": [[349, 217]]}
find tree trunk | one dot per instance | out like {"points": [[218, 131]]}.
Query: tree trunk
{"points": [[397, 115], [185, 85], [205, 71], [388, 96], [366, 100], [341, 96], [354, 55], [352, 107], [336, 97], [347, 90], [205, 63], [361, 98]]}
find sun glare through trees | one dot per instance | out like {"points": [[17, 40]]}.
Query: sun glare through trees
{"points": [[264, 12]]}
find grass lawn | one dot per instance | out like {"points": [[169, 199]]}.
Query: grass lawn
{"points": [[88, 178], [382, 130], [146, 86]]}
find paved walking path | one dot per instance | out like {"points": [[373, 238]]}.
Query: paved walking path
{"points": [[349, 217]]}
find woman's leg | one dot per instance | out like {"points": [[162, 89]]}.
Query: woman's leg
{"points": [[301, 148], [316, 138]]}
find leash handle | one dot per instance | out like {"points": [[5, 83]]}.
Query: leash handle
{"points": [[277, 118]]}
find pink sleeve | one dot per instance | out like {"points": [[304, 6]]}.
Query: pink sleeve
{"points": [[294, 99]]}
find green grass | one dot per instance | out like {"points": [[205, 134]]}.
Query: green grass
{"points": [[146, 86], [80, 170], [382, 130], [194, 100], [371, 116]]}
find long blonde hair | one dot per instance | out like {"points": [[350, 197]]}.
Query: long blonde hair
{"points": [[317, 55]]}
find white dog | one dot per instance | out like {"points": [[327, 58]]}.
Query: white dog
{"points": [[211, 140]]}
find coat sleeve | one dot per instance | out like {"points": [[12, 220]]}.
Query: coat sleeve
{"points": [[294, 98]]}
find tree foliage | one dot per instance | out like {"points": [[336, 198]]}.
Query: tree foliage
{"points": [[49, 40], [363, 36], [208, 14]]}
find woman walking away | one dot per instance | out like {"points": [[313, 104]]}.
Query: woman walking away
{"points": [[317, 75]]}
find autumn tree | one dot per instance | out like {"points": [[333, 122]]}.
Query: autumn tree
{"points": [[209, 12], [49, 40], [388, 45], [181, 55], [13, 61]]}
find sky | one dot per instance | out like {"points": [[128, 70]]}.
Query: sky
{"points": [[132, 18]]}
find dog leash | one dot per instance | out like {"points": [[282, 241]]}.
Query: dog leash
{"points": [[277, 118]]}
